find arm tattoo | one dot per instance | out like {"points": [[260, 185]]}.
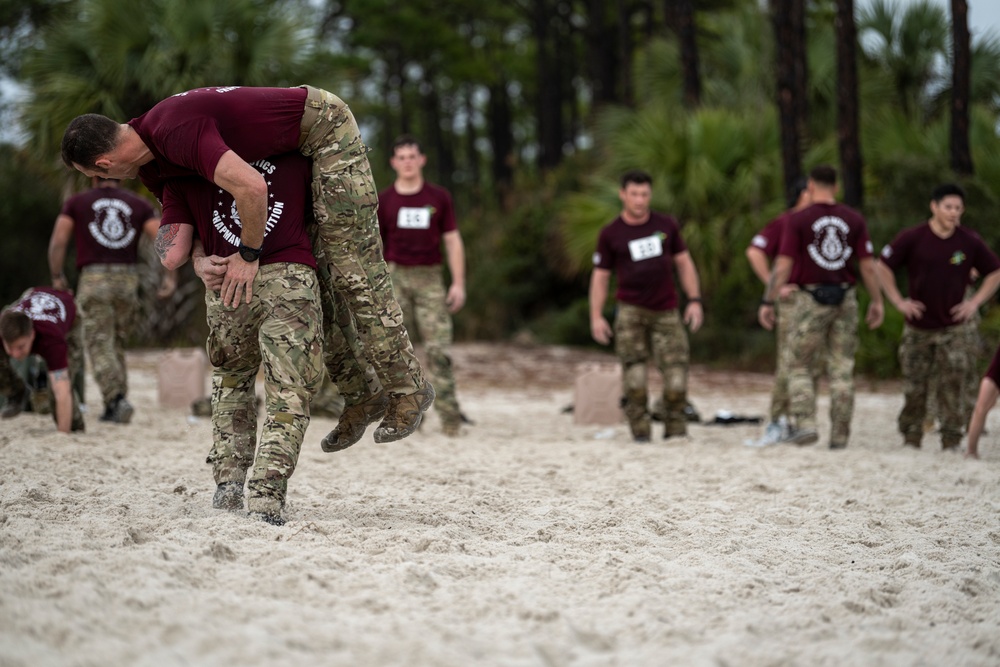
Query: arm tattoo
{"points": [[61, 374], [165, 240]]}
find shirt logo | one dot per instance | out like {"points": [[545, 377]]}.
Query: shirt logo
{"points": [[957, 258], [887, 251], [829, 248], [110, 226], [759, 241], [414, 217], [597, 258], [228, 223], [43, 307], [647, 247]]}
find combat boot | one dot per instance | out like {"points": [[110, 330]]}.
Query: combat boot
{"points": [[403, 414], [15, 405], [228, 496], [353, 422]]}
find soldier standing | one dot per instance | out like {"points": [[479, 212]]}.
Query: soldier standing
{"points": [[216, 133], [414, 218], [44, 321], [106, 223], [279, 329], [643, 247], [819, 249], [937, 257], [761, 252]]}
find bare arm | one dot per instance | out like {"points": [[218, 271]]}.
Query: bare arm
{"points": [[759, 263], [249, 189], [173, 244], [779, 276], [168, 277], [869, 274], [911, 310], [62, 392], [62, 232], [967, 309], [987, 398], [599, 327], [694, 315], [455, 252]]}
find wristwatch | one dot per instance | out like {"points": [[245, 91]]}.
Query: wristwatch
{"points": [[249, 254]]}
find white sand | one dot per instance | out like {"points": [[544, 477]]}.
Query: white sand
{"points": [[528, 541]]}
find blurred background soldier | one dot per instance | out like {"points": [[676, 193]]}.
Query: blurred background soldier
{"points": [[106, 223]]}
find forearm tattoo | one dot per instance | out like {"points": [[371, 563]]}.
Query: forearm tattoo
{"points": [[165, 239]]}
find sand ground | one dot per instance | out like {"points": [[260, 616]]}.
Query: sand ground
{"points": [[529, 540]]}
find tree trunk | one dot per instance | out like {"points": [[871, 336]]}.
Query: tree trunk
{"points": [[848, 131], [602, 55], [548, 104], [961, 153], [625, 50], [502, 139], [471, 151], [788, 52], [680, 19]]}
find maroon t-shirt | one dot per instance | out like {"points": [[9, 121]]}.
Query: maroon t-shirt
{"points": [[642, 257], [107, 225], [769, 239], [824, 242], [212, 211], [412, 225], [189, 132], [52, 314], [938, 269]]}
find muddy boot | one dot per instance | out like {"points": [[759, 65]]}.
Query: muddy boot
{"points": [[353, 422], [403, 414], [228, 496]]}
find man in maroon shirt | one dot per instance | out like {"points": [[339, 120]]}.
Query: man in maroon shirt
{"points": [[823, 248], [415, 217], [216, 133], [106, 223], [643, 248], [937, 257], [44, 322], [761, 252], [989, 391], [280, 329]]}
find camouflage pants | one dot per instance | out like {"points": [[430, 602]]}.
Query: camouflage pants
{"points": [[941, 354], [815, 330], [780, 405], [279, 328], [421, 294], [106, 295], [642, 336], [345, 202], [12, 387], [347, 366]]}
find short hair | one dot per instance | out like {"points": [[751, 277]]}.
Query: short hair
{"points": [[636, 176], [406, 140], [14, 324], [947, 190], [88, 137], [795, 190], [824, 174]]}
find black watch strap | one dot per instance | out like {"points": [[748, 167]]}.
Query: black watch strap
{"points": [[249, 254]]}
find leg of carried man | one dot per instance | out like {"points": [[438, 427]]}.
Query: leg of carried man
{"points": [[345, 202]]}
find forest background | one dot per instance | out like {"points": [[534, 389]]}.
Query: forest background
{"points": [[529, 111]]}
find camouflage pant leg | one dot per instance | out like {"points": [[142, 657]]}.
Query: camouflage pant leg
{"points": [[347, 366], [808, 342], [12, 386], [671, 355], [843, 349], [291, 344], [975, 351], [779, 392], [345, 202], [234, 351], [941, 355], [422, 288], [109, 305], [632, 345]]}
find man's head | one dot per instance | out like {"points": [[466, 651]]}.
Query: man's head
{"points": [[17, 332], [635, 193], [947, 205], [407, 159], [92, 145], [822, 181]]}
